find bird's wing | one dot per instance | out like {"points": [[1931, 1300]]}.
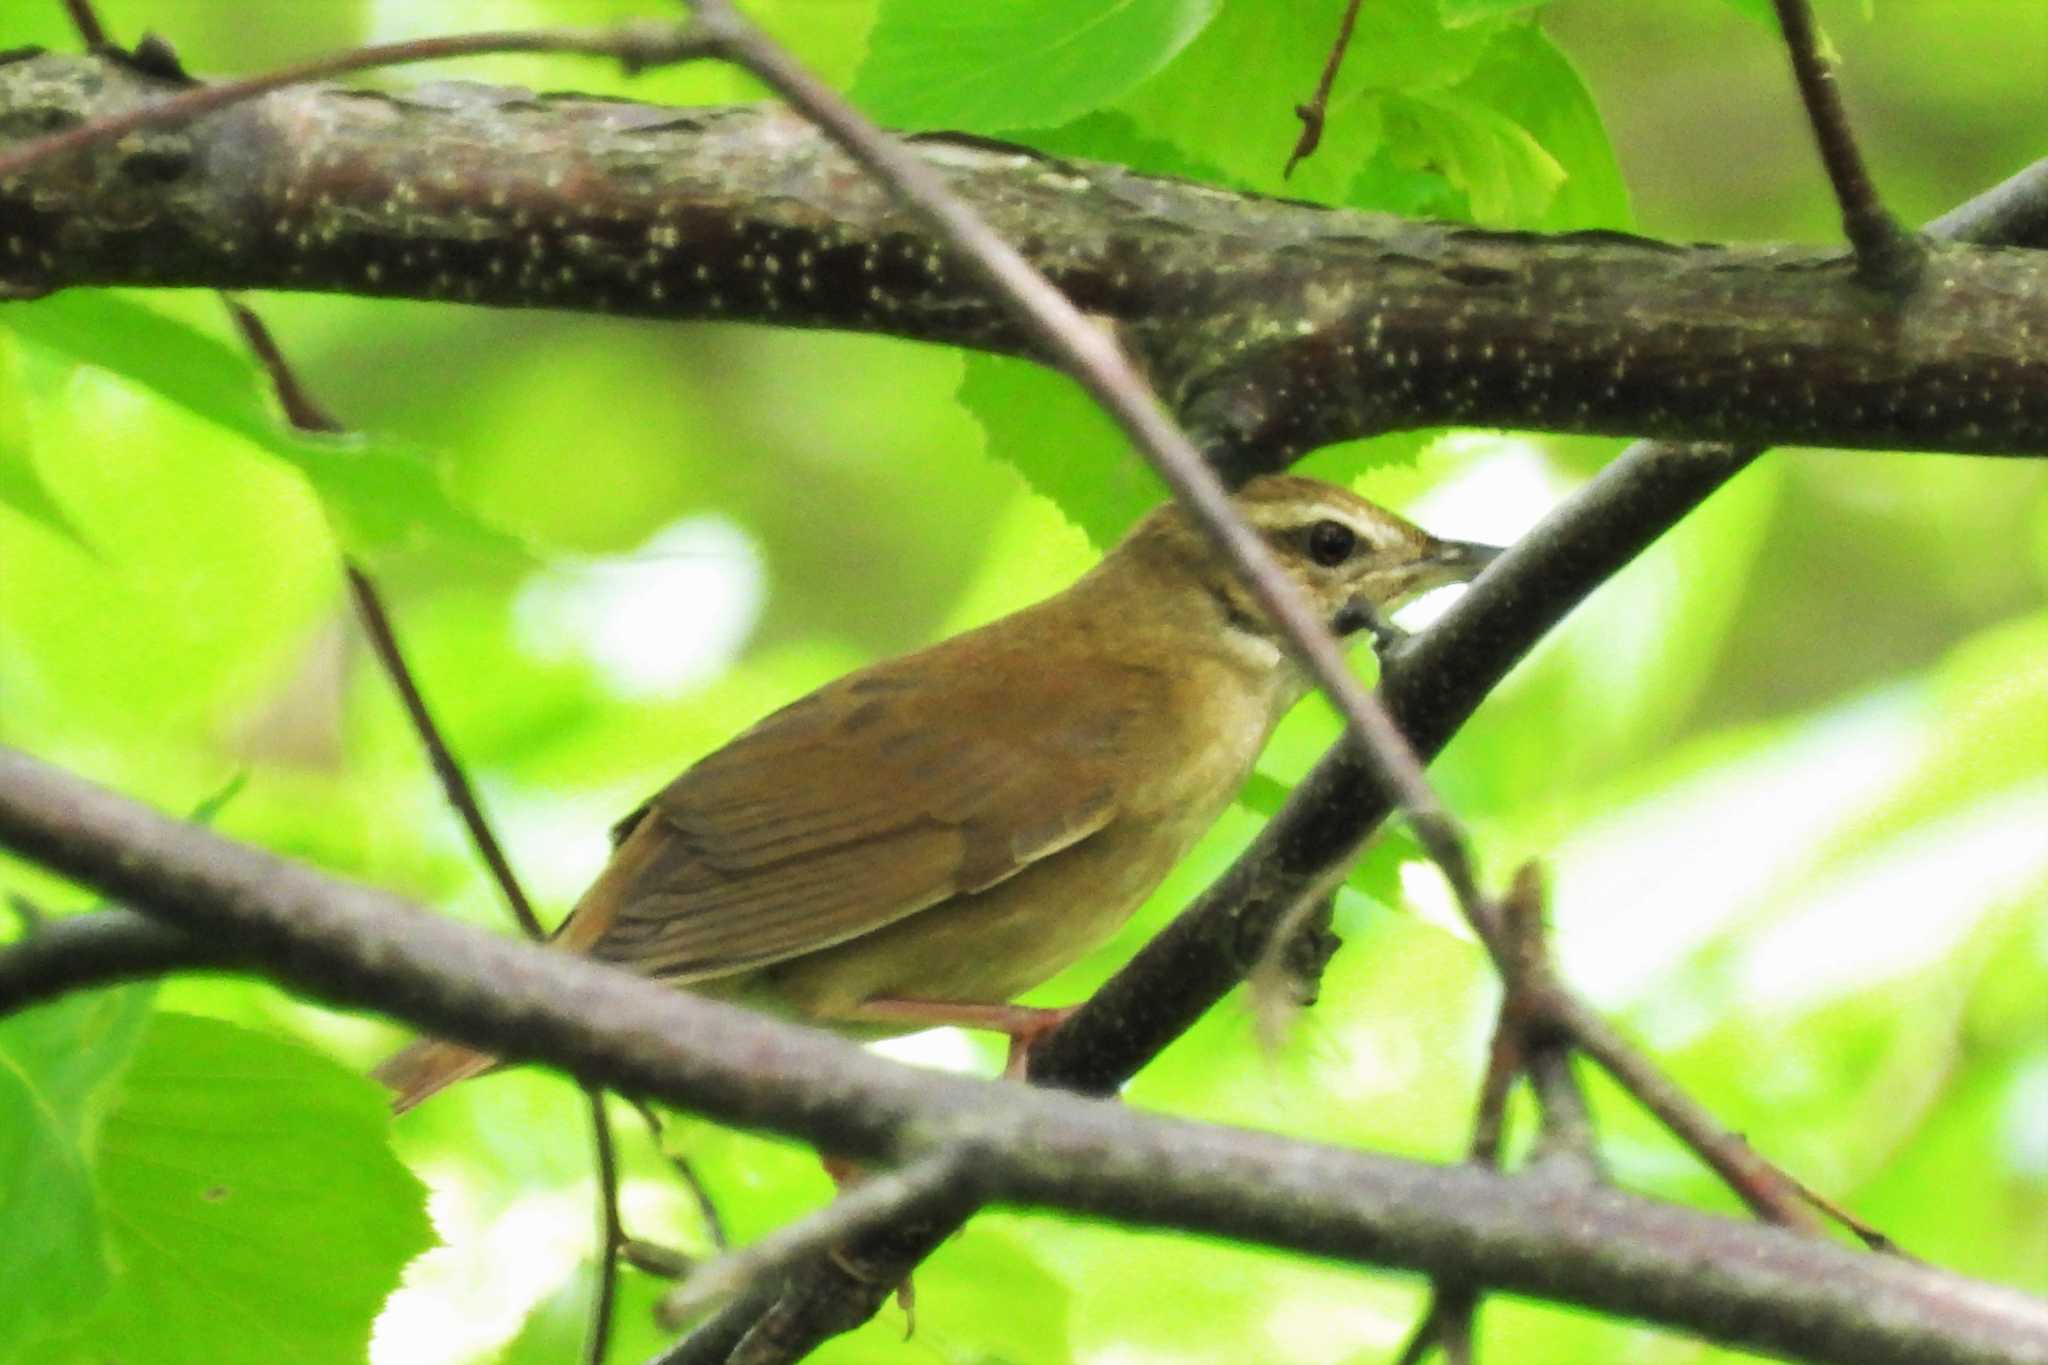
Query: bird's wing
{"points": [[883, 794]]}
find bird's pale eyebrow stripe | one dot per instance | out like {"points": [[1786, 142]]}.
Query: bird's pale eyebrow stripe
{"points": [[1299, 515]]}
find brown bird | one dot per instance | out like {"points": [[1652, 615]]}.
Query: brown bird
{"points": [[921, 841]]}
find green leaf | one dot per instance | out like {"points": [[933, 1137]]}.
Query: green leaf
{"points": [[378, 495], [1259, 61], [1065, 446], [1502, 172], [58, 1063], [252, 1203], [1991, 734], [1759, 11], [990, 1296], [1458, 13], [1006, 64], [1528, 80], [22, 486]]}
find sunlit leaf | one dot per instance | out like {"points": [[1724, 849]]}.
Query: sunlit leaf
{"points": [[59, 1063], [1457, 12], [22, 486], [252, 1203], [1503, 172], [1259, 61], [379, 496], [1528, 83], [1063, 444], [1002, 65]]}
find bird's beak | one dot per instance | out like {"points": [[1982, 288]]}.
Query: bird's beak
{"points": [[1460, 561], [1439, 563]]}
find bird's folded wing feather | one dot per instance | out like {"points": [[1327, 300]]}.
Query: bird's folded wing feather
{"points": [[882, 795]]}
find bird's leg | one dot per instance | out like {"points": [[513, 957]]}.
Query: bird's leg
{"points": [[1025, 1025]]}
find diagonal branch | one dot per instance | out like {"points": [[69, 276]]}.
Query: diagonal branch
{"points": [[351, 945]]}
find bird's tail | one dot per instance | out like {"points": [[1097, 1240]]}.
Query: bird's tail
{"points": [[423, 1069], [428, 1066]]}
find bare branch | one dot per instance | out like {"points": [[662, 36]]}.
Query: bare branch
{"points": [[547, 201], [1313, 113], [1887, 256], [101, 948], [878, 1197], [1748, 1285]]}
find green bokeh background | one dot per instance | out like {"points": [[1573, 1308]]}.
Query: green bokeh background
{"points": [[1789, 772]]}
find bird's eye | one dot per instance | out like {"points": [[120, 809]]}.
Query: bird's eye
{"points": [[1330, 543]]}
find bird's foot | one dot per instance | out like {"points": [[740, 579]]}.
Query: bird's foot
{"points": [[1026, 1025], [1029, 1034]]}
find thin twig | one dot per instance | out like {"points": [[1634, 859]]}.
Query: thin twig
{"points": [[301, 409], [1318, 106], [1566, 1145], [86, 22], [707, 1209], [877, 1198], [1543, 1002], [1887, 255], [1447, 1321], [454, 784], [308, 414], [1769, 1192], [611, 1234], [26, 913], [1446, 1325]]}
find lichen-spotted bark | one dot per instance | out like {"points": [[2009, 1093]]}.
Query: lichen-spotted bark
{"points": [[1269, 326]]}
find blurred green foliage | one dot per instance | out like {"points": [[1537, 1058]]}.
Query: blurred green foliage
{"points": [[1790, 771]]}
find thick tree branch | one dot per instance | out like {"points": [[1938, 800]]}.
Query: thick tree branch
{"points": [[352, 945], [1368, 323]]}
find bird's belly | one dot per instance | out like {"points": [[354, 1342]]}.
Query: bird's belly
{"points": [[987, 947]]}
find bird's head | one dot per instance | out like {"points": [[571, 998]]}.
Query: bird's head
{"points": [[1355, 561]]}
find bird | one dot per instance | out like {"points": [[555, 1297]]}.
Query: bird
{"points": [[922, 840]]}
